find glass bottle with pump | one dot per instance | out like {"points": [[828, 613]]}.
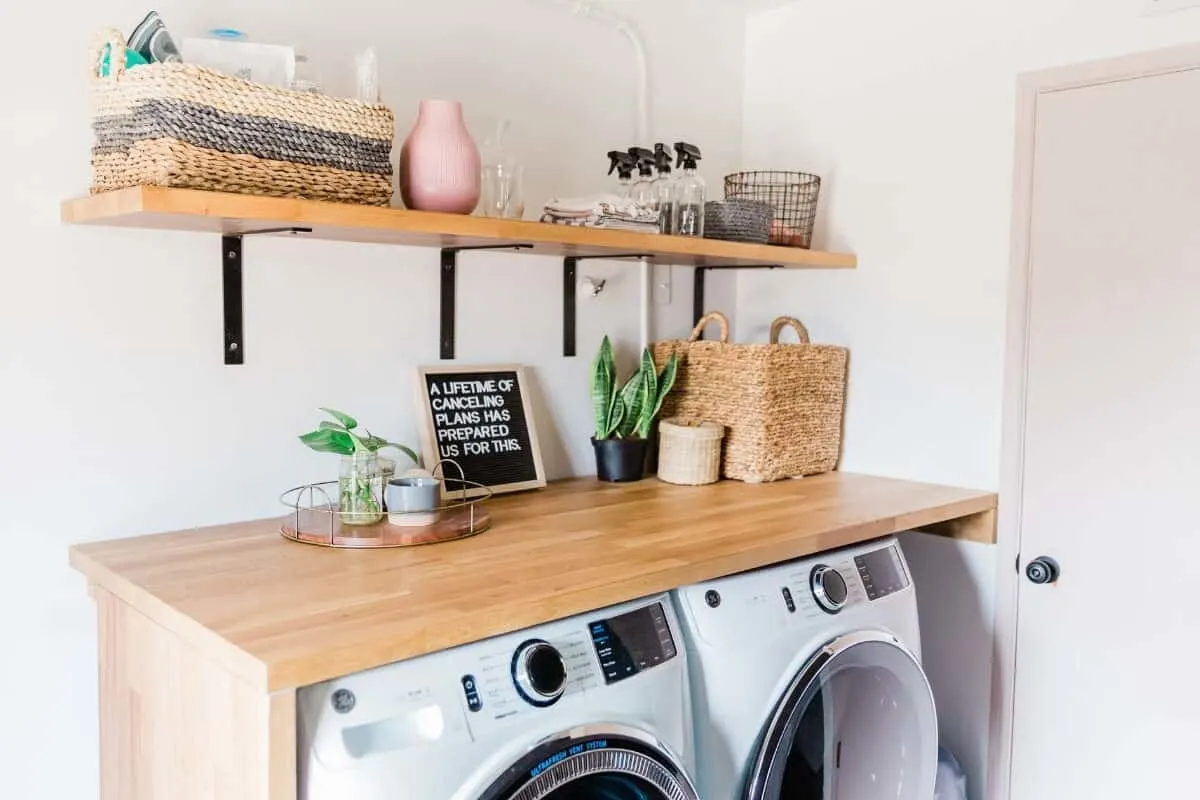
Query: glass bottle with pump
{"points": [[623, 164], [664, 188], [689, 193], [642, 192]]}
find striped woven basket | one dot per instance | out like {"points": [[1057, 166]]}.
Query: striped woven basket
{"points": [[782, 404], [191, 127]]}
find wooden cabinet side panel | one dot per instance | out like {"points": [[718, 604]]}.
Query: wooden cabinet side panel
{"points": [[176, 725]]}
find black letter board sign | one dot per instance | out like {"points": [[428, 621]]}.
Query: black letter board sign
{"points": [[480, 418]]}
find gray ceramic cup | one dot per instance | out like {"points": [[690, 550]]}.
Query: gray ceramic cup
{"points": [[411, 495]]}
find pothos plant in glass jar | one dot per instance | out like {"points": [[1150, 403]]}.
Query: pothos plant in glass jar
{"points": [[363, 472]]}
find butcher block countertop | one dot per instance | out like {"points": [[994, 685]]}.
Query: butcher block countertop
{"points": [[283, 615]]}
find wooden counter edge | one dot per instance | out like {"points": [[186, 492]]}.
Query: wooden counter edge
{"points": [[970, 519]]}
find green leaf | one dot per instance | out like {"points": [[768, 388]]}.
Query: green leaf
{"points": [[326, 425], [647, 411], [348, 422], [376, 443], [604, 389], [408, 451], [327, 441], [371, 442], [666, 382], [616, 416], [635, 397]]}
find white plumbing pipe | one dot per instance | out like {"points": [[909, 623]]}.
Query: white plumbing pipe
{"points": [[641, 132], [646, 276], [585, 8]]}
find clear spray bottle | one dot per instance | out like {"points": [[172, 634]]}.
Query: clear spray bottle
{"points": [[689, 192], [622, 163], [642, 192], [664, 188]]}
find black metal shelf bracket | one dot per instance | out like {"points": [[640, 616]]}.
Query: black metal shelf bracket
{"points": [[698, 294], [698, 277], [231, 290], [571, 295], [450, 291]]}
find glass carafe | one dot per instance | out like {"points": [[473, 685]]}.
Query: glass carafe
{"points": [[503, 176]]}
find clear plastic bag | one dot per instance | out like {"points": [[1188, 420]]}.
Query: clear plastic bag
{"points": [[951, 780]]}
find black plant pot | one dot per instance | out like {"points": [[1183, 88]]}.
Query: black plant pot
{"points": [[620, 460]]}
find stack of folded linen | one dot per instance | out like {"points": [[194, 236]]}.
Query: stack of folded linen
{"points": [[602, 211]]}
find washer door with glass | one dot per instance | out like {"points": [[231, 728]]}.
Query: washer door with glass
{"points": [[595, 763], [857, 723]]}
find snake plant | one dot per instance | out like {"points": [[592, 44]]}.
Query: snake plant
{"points": [[628, 411]]}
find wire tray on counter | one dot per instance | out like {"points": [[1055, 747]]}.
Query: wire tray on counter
{"points": [[315, 518]]}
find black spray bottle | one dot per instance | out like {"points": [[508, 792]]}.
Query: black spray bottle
{"points": [[689, 193], [664, 188], [623, 164], [642, 192]]}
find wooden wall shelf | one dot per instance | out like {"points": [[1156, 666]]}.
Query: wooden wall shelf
{"points": [[215, 212], [233, 216]]}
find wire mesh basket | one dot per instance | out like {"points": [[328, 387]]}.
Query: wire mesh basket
{"points": [[316, 518], [793, 195]]}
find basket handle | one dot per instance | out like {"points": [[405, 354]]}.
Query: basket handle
{"points": [[789, 322], [113, 41], [712, 316]]}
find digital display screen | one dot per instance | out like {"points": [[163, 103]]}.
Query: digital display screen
{"points": [[882, 572], [633, 642]]}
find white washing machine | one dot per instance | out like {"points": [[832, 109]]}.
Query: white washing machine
{"points": [[807, 682], [595, 707]]}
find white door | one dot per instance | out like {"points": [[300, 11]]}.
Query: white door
{"points": [[1107, 678]]}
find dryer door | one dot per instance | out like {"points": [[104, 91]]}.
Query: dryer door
{"points": [[856, 723], [595, 762]]}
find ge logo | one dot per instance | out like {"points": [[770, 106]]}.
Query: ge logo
{"points": [[343, 701]]}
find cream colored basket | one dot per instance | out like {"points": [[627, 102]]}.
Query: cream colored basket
{"points": [[689, 454]]}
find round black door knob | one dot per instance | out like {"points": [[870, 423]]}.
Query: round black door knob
{"points": [[1042, 570]]}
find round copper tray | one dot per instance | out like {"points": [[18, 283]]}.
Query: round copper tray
{"points": [[315, 519]]}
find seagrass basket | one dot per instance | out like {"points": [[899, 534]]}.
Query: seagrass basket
{"points": [[187, 126], [781, 404]]}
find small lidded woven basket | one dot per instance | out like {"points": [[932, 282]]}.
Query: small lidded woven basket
{"points": [[689, 455]]}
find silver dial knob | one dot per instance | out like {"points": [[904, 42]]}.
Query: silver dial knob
{"points": [[829, 588], [539, 672]]}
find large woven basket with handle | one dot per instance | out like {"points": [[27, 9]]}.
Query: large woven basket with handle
{"points": [[187, 126], [782, 404]]}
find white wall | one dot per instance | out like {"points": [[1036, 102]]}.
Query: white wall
{"points": [[119, 417], [907, 110]]}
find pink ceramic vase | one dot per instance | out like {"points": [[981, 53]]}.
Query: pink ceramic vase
{"points": [[439, 162]]}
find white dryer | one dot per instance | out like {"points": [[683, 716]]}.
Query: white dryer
{"points": [[807, 682], [594, 707]]}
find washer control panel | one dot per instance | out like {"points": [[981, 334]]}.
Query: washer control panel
{"points": [[882, 572], [632, 642], [528, 674]]}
